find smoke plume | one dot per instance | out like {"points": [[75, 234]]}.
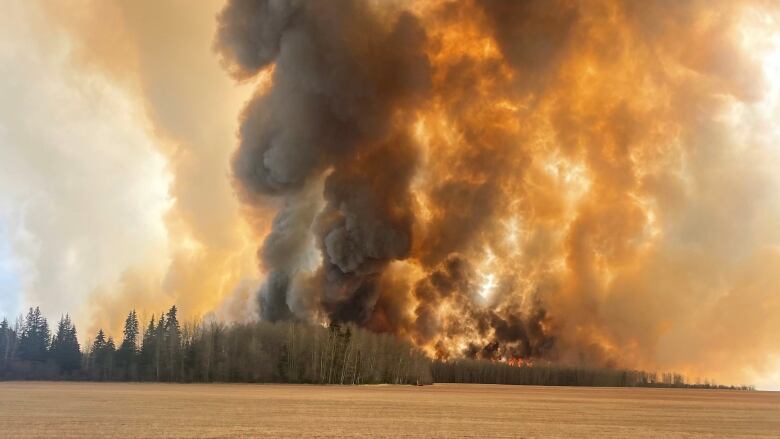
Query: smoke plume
{"points": [[587, 182]]}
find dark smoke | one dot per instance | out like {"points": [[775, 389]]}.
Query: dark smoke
{"points": [[346, 84], [341, 83]]}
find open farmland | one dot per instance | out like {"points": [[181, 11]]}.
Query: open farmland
{"points": [[33, 409]]}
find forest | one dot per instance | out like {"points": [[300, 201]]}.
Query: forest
{"points": [[166, 350]]}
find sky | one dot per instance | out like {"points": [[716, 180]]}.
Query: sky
{"points": [[119, 121], [9, 278]]}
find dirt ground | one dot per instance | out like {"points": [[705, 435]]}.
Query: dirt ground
{"points": [[35, 409]]}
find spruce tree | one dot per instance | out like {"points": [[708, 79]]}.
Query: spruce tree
{"points": [[97, 354], [159, 349], [109, 353], [65, 349], [7, 341], [172, 339], [102, 356], [35, 337], [127, 355], [148, 349]]}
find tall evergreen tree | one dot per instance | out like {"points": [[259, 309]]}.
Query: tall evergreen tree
{"points": [[172, 347], [102, 356], [65, 349], [127, 355], [99, 343], [4, 330], [159, 349], [149, 350], [130, 333], [35, 336], [96, 355], [7, 342], [109, 354]]}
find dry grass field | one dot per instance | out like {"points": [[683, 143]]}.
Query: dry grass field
{"points": [[35, 409]]}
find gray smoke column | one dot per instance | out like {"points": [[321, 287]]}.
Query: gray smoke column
{"points": [[341, 83]]}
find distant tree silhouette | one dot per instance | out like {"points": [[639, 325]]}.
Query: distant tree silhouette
{"points": [[159, 349], [172, 345], [101, 357], [7, 343], [109, 355], [35, 336], [65, 350], [146, 361], [128, 352]]}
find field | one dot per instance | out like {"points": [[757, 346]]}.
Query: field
{"points": [[34, 409]]}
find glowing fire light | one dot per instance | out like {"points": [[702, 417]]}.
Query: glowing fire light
{"points": [[488, 285]]}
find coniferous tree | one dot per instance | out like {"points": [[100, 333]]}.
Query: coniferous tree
{"points": [[65, 349], [159, 349], [99, 343], [127, 355], [4, 332], [7, 343], [97, 355], [35, 336], [172, 340], [148, 349], [109, 353]]}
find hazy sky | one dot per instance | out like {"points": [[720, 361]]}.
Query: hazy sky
{"points": [[116, 125], [77, 161]]}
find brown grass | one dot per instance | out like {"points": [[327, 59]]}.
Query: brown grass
{"points": [[34, 409]]}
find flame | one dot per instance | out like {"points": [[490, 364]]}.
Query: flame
{"points": [[520, 362]]}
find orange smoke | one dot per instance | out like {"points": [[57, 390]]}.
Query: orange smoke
{"points": [[161, 55]]}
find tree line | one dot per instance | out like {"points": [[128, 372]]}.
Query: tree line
{"points": [[550, 374], [166, 350], [283, 352]]}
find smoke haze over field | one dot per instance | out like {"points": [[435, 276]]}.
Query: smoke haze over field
{"points": [[585, 182]]}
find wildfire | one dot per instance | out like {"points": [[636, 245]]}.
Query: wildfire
{"points": [[520, 181], [520, 362]]}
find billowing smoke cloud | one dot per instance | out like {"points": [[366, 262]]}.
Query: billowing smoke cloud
{"points": [[573, 181], [341, 104]]}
